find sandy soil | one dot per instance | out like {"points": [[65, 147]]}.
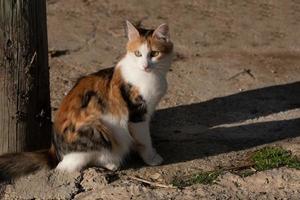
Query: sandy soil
{"points": [[234, 87]]}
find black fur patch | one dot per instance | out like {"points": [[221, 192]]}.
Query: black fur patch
{"points": [[86, 98], [145, 32], [105, 73], [137, 107], [57, 141], [102, 102], [89, 95], [70, 128], [92, 139]]}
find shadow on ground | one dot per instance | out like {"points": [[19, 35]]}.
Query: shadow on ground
{"points": [[194, 131]]}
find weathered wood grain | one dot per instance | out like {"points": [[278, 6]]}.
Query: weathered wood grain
{"points": [[25, 113]]}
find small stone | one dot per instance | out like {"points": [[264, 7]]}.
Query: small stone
{"points": [[155, 176], [273, 71]]}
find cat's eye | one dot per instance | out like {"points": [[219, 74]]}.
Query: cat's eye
{"points": [[154, 53], [137, 54]]}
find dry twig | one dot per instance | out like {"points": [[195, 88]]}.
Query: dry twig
{"points": [[152, 183], [244, 71]]}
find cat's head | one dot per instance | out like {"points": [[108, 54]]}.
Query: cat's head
{"points": [[150, 50]]}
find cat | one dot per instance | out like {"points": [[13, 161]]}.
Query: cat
{"points": [[107, 113]]}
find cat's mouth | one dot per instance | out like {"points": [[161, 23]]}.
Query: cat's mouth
{"points": [[148, 69]]}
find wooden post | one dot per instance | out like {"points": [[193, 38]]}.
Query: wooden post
{"points": [[25, 112]]}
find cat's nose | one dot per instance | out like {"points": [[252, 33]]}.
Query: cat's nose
{"points": [[146, 67]]}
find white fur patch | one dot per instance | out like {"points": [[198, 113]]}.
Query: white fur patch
{"points": [[144, 60], [111, 160], [141, 133], [119, 128], [152, 85], [75, 161]]}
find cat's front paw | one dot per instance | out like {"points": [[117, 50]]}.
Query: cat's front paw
{"points": [[112, 166], [153, 159], [62, 167]]}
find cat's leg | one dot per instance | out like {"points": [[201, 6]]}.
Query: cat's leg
{"points": [[75, 161], [108, 160], [89, 141], [141, 134]]}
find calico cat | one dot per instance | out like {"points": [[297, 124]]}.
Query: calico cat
{"points": [[106, 114]]}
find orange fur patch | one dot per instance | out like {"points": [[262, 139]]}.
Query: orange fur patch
{"points": [[71, 113], [154, 44], [134, 45]]}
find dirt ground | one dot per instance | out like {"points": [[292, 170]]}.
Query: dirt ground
{"points": [[234, 86]]}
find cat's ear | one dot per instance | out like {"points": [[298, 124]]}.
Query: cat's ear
{"points": [[162, 32], [132, 32]]}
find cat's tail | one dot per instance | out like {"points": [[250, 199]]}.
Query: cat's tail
{"points": [[14, 165]]}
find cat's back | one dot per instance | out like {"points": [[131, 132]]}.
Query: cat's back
{"points": [[89, 95]]}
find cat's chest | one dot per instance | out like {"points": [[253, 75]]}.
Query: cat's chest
{"points": [[149, 86], [151, 90], [141, 98]]}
